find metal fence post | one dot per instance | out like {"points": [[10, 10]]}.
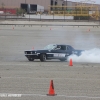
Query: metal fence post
{"points": [[29, 16], [40, 14], [99, 17], [5, 13], [88, 15], [64, 15], [16, 14], [76, 15], [53, 16]]}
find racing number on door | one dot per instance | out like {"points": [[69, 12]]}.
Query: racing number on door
{"points": [[59, 55]]}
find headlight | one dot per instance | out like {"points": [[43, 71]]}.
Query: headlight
{"points": [[25, 52], [35, 52]]}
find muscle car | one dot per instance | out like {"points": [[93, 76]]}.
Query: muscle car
{"points": [[52, 51]]}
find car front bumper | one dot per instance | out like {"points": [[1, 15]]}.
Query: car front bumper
{"points": [[34, 56]]}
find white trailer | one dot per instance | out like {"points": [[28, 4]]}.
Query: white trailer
{"points": [[1, 12], [40, 8], [34, 8]]}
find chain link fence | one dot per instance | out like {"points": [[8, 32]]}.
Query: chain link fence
{"points": [[41, 15]]}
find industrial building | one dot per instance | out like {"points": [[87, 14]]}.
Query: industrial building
{"points": [[44, 3], [17, 3], [55, 7]]}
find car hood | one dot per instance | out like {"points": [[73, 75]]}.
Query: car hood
{"points": [[41, 51]]}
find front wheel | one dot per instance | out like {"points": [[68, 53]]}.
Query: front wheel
{"points": [[43, 57], [31, 59], [64, 59]]}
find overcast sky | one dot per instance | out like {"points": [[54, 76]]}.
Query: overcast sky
{"points": [[96, 1]]}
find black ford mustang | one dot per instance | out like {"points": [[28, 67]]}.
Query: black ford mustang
{"points": [[52, 51]]}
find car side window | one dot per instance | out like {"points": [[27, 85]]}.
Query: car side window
{"points": [[63, 47], [60, 47], [67, 48]]}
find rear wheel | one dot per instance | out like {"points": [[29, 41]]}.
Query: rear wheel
{"points": [[43, 57], [64, 59], [31, 59]]}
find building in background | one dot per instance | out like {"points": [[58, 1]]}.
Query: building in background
{"points": [[38, 4], [44, 3], [17, 3]]}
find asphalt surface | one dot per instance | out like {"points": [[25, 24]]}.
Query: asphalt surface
{"points": [[24, 80]]}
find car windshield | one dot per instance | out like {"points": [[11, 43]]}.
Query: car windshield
{"points": [[50, 47]]}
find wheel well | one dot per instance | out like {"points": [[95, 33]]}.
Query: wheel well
{"points": [[42, 53]]}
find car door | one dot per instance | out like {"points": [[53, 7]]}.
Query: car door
{"points": [[59, 53], [68, 50]]}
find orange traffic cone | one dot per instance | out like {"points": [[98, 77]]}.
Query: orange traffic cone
{"points": [[33, 48], [51, 89], [70, 62], [88, 30]]}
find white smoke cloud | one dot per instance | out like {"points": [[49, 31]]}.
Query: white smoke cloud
{"points": [[91, 56]]}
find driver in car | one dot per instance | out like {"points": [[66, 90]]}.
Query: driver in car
{"points": [[58, 47]]}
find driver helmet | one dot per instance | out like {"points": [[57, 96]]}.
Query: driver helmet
{"points": [[59, 47]]}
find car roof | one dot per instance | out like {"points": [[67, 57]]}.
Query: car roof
{"points": [[65, 45]]}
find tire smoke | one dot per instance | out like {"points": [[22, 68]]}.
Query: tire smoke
{"points": [[90, 56]]}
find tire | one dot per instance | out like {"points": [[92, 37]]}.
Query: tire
{"points": [[64, 59], [43, 57], [31, 59]]}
